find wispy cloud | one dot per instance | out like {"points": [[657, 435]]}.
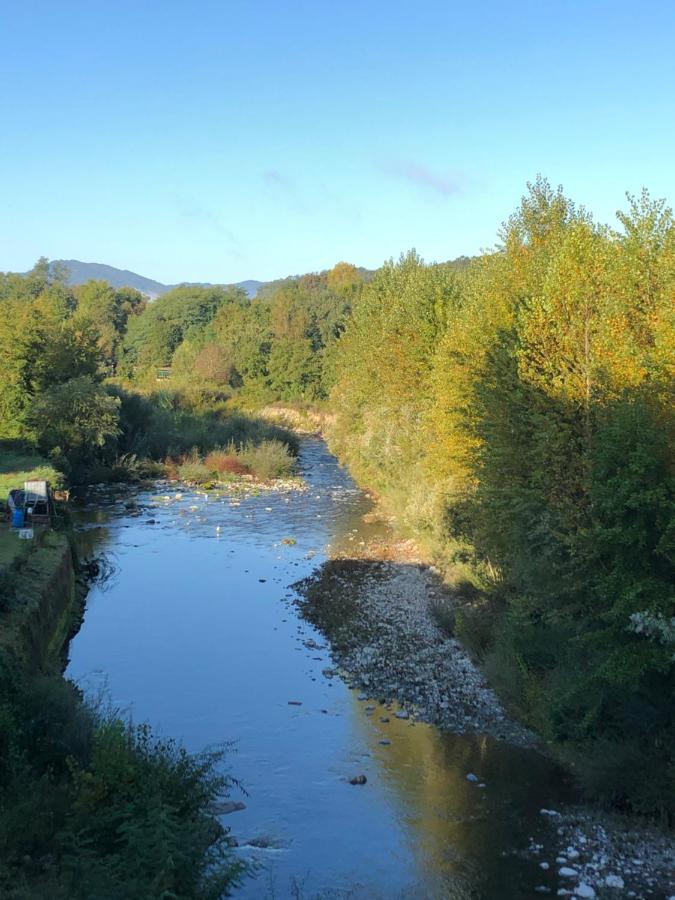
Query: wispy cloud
{"points": [[274, 176], [442, 184], [204, 217], [284, 188]]}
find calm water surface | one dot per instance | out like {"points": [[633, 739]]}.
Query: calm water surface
{"points": [[196, 633]]}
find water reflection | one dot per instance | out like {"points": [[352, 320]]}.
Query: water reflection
{"points": [[197, 633]]}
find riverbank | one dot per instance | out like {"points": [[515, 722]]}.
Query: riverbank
{"points": [[42, 598], [377, 615], [303, 420], [378, 606]]}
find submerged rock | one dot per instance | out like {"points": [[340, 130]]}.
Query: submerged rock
{"points": [[358, 779], [229, 806]]}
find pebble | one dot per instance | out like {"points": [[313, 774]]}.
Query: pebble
{"points": [[472, 778], [402, 714], [584, 891], [358, 779], [545, 866], [567, 872], [615, 881]]}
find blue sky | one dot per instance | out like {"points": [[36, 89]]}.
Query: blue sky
{"points": [[219, 141]]}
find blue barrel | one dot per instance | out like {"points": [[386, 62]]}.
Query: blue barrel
{"points": [[17, 518]]}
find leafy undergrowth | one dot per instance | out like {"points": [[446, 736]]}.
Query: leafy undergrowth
{"points": [[94, 807]]}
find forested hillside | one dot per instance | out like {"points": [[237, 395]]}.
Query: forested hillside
{"points": [[76, 272], [279, 346]]}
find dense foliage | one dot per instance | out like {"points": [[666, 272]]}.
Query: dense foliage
{"points": [[58, 344], [277, 347], [66, 349], [97, 809], [519, 414]]}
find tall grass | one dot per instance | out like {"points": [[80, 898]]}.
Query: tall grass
{"points": [[264, 461], [165, 424], [268, 459]]}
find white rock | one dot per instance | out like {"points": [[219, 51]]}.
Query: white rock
{"points": [[572, 853], [471, 777], [615, 881], [567, 872], [584, 890], [545, 866]]}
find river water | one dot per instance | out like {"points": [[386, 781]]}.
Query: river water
{"points": [[196, 633]]}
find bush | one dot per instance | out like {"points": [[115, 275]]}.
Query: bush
{"points": [[193, 469], [93, 807], [225, 462], [76, 424], [267, 460]]}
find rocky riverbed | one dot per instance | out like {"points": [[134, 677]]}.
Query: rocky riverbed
{"points": [[378, 615], [378, 618]]}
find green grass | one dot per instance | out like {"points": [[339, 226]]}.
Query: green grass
{"points": [[17, 466], [10, 547]]}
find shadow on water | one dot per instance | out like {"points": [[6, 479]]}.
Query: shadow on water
{"points": [[198, 632]]}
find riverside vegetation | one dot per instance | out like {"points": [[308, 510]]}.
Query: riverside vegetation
{"points": [[513, 411], [519, 417]]}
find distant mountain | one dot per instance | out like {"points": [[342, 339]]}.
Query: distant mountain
{"points": [[84, 271]]}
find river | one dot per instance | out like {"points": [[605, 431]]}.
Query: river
{"points": [[197, 633]]}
